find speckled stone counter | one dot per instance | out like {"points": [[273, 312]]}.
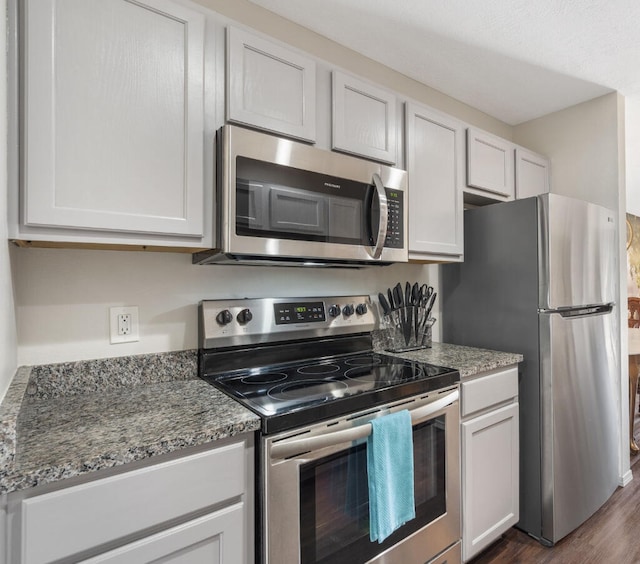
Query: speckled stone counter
{"points": [[469, 361], [64, 420]]}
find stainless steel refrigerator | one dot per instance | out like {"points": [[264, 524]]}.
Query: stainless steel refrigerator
{"points": [[539, 278]]}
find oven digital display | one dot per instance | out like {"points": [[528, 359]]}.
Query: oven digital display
{"points": [[299, 312]]}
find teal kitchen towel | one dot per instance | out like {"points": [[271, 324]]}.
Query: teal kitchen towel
{"points": [[390, 470]]}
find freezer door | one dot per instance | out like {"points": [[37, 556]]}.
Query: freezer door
{"points": [[579, 419], [577, 253]]}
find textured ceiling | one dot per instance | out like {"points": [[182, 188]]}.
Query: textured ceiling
{"points": [[513, 59]]}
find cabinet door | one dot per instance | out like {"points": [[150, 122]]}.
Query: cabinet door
{"points": [[532, 174], [75, 520], [434, 155], [364, 119], [270, 86], [490, 163], [490, 478], [217, 538], [114, 116]]}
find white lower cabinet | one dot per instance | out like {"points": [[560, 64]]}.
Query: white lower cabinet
{"points": [[196, 508], [213, 539], [490, 459]]}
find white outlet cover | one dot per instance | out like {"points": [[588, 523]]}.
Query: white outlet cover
{"points": [[114, 312]]}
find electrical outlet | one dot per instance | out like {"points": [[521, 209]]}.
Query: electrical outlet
{"points": [[123, 324]]}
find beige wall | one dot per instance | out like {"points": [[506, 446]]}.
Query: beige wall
{"points": [[63, 296], [582, 143]]}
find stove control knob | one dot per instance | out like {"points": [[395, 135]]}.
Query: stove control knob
{"points": [[334, 310], [244, 316], [361, 309], [347, 310], [224, 317]]}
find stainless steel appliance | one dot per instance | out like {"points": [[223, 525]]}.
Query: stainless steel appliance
{"points": [[307, 368], [283, 202], [539, 279]]}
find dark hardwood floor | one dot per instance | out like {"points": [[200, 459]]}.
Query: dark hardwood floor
{"points": [[611, 535]]}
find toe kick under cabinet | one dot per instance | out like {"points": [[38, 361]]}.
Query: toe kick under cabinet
{"points": [[490, 451], [193, 508]]}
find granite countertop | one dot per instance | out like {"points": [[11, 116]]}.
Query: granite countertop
{"points": [[63, 420], [469, 361]]}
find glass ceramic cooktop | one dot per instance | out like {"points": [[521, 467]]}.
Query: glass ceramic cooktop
{"points": [[287, 396]]}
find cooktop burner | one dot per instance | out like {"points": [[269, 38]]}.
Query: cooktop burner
{"points": [[312, 390]]}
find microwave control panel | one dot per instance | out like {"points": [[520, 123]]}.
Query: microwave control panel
{"points": [[395, 224]]}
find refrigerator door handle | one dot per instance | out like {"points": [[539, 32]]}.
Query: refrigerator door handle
{"points": [[583, 311]]}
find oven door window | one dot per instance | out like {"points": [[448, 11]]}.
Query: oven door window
{"points": [[283, 202], [334, 499]]}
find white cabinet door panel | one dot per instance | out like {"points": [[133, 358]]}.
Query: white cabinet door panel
{"points": [[490, 478], [435, 159], [490, 163], [532, 174], [213, 539], [76, 519], [114, 116], [270, 86], [364, 119]]}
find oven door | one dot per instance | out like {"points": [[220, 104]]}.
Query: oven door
{"points": [[286, 199], [315, 489]]}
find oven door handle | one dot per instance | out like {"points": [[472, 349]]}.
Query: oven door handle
{"points": [[286, 449]]}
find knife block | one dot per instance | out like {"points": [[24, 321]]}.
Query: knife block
{"points": [[406, 329]]}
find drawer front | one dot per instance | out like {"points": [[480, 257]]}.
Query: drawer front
{"points": [[216, 538], [76, 519], [488, 390]]}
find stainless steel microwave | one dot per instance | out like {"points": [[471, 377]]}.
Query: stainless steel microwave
{"points": [[284, 202]]}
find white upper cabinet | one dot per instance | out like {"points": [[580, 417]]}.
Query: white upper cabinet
{"points": [[113, 117], [270, 86], [363, 119], [435, 165], [532, 174], [490, 164]]}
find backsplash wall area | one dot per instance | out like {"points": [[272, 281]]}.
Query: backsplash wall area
{"points": [[63, 296]]}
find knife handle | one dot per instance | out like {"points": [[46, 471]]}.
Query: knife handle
{"points": [[397, 295], [433, 299], [384, 304]]}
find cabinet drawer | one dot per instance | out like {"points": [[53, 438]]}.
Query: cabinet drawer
{"points": [[217, 537], [488, 390], [72, 520]]}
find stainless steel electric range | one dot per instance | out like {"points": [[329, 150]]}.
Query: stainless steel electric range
{"points": [[307, 367]]}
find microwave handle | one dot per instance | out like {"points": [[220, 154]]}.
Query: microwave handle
{"points": [[376, 250], [286, 449]]}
